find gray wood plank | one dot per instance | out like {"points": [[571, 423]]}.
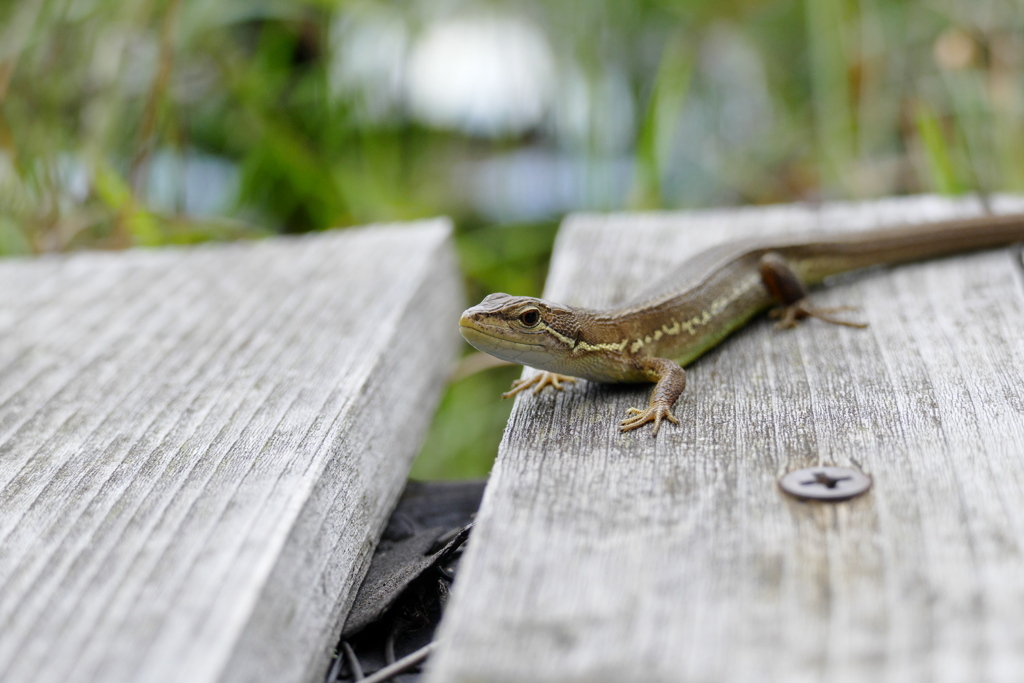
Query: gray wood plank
{"points": [[199, 447], [601, 556]]}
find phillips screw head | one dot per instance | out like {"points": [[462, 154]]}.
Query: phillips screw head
{"points": [[830, 484]]}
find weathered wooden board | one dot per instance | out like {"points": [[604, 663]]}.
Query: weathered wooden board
{"points": [[199, 447], [601, 556]]}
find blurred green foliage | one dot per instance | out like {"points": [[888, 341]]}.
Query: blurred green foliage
{"points": [[147, 122]]}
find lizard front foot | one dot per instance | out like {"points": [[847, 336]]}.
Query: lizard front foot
{"points": [[789, 316], [538, 382], [655, 413]]}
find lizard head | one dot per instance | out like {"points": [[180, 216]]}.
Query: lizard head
{"points": [[521, 329]]}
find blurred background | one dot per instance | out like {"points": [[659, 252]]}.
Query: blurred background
{"points": [[151, 122]]}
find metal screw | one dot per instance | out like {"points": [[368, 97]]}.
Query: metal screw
{"points": [[831, 484]]}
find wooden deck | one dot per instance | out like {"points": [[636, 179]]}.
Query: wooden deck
{"points": [[199, 447], [601, 556]]}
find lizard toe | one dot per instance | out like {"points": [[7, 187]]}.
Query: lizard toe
{"points": [[655, 414], [538, 382]]}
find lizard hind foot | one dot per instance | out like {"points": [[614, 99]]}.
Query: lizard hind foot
{"points": [[789, 316], [538, 382], [654, 413]]}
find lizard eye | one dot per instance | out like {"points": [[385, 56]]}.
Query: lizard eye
{"points": [[530, 317]]}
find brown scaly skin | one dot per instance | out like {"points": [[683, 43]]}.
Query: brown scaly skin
{"points": [[706, 299]]}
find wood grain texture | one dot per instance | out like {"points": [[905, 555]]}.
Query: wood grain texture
{"points": [[199, 447], [601, 556]]}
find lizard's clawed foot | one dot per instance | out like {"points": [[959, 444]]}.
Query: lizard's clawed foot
{"points": [[789, 316], [654, 413], [538, 382]]}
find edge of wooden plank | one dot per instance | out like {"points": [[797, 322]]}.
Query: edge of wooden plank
{"points": [[295, 599]]}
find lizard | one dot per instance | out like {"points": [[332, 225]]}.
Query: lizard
{"points": [[651, 337]]}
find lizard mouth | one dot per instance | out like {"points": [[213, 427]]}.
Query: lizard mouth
{"points": [[501, 347]]}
